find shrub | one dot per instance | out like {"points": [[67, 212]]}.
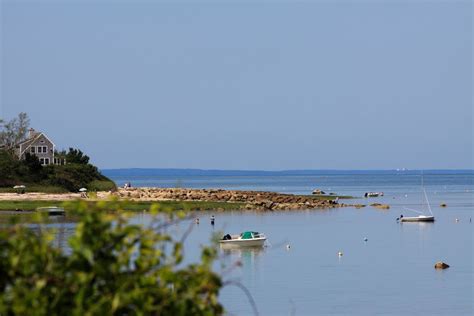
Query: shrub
{"points": [[101, 185], [113, 268], [74, 176]]}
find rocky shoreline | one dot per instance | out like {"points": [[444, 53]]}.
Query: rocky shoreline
{"points": [[252, 199]]}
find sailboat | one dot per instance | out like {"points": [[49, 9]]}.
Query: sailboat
{"points": [[422, 217]]}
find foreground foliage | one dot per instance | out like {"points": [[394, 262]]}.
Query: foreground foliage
{"points": [[112, 268]]}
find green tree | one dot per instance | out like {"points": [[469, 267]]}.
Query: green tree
{"points": [[9, 167], [14, 131], [76, 156], [113, 268], [32, 163]]}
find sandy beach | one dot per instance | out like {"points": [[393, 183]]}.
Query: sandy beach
{"points": [[48, 196]]}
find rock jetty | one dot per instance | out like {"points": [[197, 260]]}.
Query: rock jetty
{"points": [[251, 199]]}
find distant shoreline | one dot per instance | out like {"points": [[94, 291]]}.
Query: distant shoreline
{"points": [[130, 172]]}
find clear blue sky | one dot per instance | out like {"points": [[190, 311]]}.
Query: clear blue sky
{"points": [[242, 85]]}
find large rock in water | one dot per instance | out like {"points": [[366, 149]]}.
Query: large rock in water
{"points": [[319, 192], [441, 265], [380, 206]]}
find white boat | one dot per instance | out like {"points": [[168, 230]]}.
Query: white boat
{"points": [[51, 210], [419, 218], [422, 217], [373, 194], [245, 239]]}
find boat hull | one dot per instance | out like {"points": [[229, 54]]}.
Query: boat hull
{"points": [[255, 242], [417, 219], [51, 210]]}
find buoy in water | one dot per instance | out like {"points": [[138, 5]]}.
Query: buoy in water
{"points": [[340, 253], [288, 246], [365, 239]]}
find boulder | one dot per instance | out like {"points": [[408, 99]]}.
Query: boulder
{"points": [[318, 191], [441, 265], [134, 195], [268, 204]]}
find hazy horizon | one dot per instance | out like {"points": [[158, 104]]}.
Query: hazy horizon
{"points": [[401, 171], [259, 85]]}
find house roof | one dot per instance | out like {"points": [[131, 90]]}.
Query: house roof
{"points": [[27, 143], [27, 140]]}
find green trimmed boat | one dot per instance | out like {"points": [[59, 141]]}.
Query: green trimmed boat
{"points": [[245, 239]]}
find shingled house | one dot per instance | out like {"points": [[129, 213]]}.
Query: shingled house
{"points": [[40, 145]]}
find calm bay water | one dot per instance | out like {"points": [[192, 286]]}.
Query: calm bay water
{"points": [[389, 274]]}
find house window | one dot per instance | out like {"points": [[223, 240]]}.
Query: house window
{"points": [[45, 149], [46, 161], [32, 149], [42, 161]]}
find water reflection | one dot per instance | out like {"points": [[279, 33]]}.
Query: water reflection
{"points": [[247, 260], [421, 227], [62, 226], [247, 252]]}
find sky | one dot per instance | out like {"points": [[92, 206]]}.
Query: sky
{"points": [[260, 85]]}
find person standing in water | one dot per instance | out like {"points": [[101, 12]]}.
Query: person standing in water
{"points": [[212, 220]]}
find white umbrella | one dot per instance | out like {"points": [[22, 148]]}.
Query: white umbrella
{"points": [[19, 186], [82, 190]]}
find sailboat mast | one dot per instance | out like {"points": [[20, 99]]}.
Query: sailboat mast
{"points": [[427, 202], [423, 188]]}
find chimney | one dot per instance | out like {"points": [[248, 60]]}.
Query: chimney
{"points": [[31, 133]]}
